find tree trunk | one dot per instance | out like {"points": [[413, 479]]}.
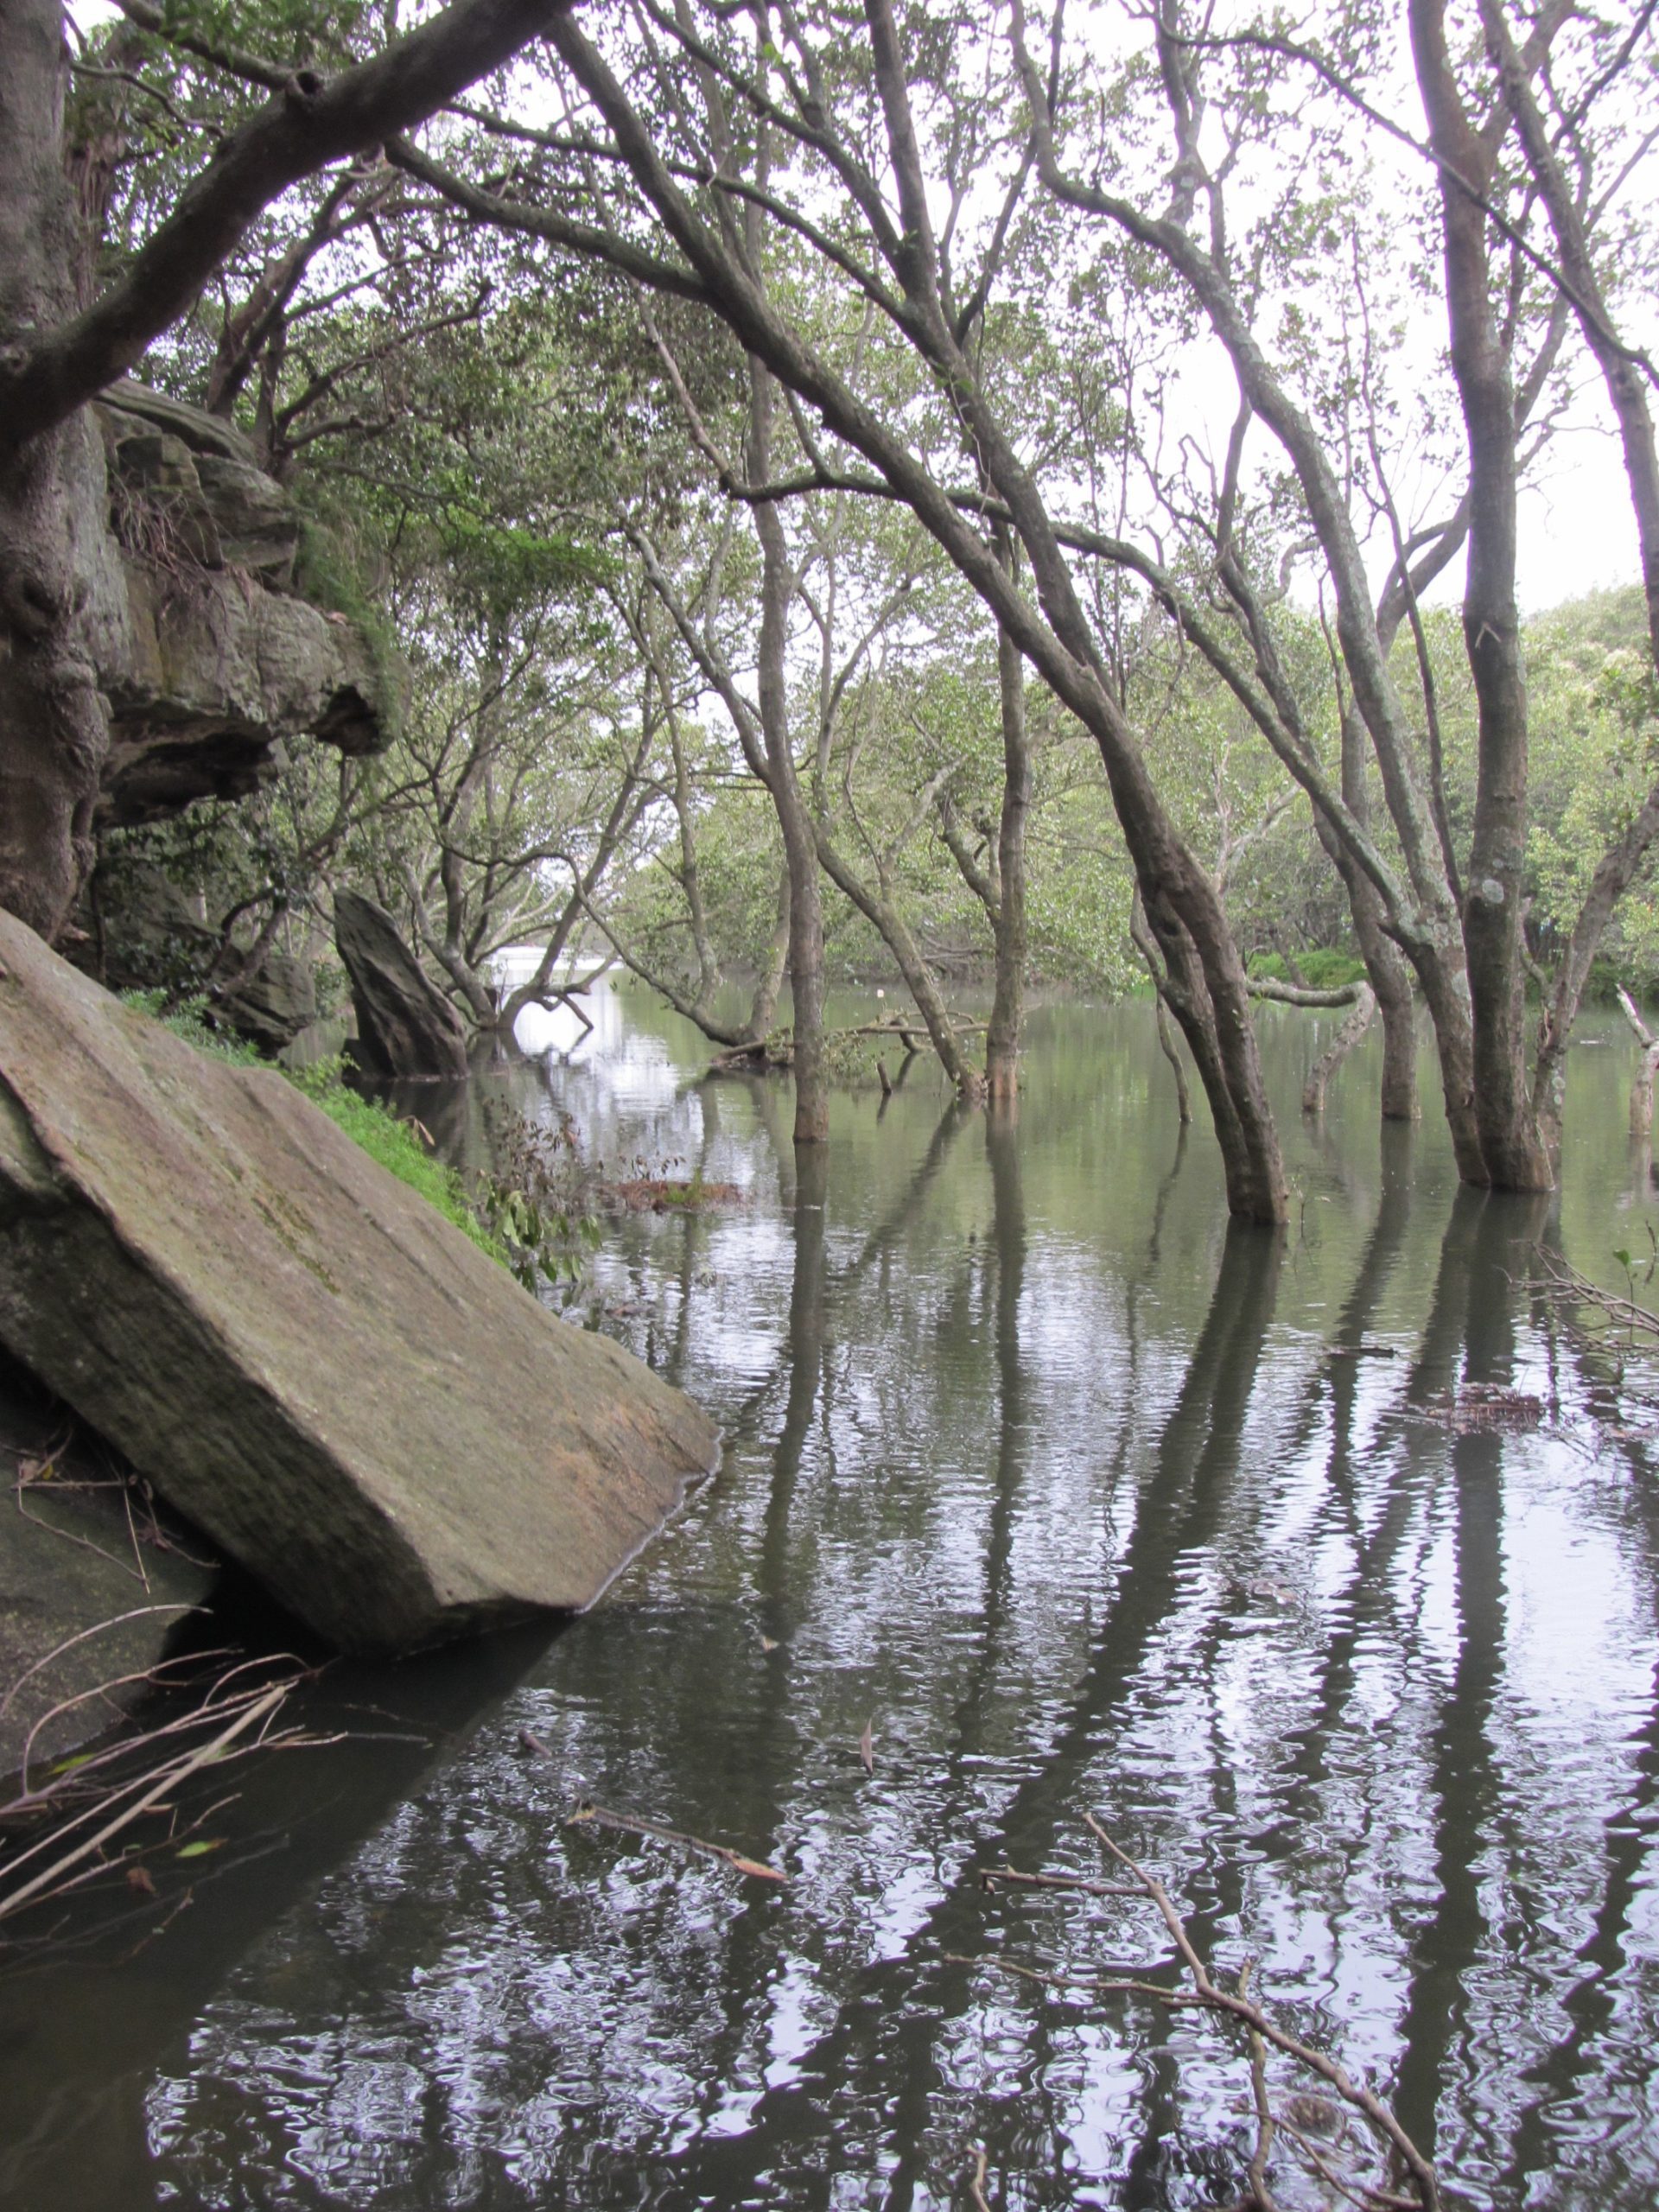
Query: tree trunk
{"points": [[1008, 999], [1337, 1050], [54, 507], [800, 846], [1511, 1149]]}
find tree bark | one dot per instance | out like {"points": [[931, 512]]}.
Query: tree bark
{"points": [[1009, 998], [800, 845], [1515, 1156], [54, 721]]}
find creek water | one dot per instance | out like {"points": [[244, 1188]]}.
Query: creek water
{"points": [[1076, 1498]]}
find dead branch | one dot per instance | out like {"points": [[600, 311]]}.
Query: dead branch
{"points": [[627, 1824], [1262, 2034]]}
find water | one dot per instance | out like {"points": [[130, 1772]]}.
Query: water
{"points": [[1064, 1488]]}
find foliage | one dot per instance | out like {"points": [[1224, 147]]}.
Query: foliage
{"points": [[532, 1199]]}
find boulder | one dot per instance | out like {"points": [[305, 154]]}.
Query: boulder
{"points": [[405, 1026], [273, 1007], [302, 1356]]}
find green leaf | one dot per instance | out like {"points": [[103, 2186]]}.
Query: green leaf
{"points": [[200, 1850]]}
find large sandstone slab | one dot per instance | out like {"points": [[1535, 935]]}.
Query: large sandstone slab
{"points": [[305, 1357]]}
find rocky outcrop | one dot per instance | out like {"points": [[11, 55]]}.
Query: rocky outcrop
{"points": [[312, 1364], [406, 1027], [145, 936], [211, 658]]}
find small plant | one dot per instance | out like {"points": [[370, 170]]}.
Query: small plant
{"points": [[532, 1199], [190, 1018], [1634, 1273]]}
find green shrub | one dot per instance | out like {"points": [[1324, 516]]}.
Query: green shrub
{"points": [[396, 1145], [1326, 970], [1269, 966]]}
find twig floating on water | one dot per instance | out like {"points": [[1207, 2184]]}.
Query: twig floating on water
{"points": [[976, 2196], [626, 1824], [991, 1877]]}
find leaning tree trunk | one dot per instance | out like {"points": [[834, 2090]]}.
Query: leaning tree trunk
{"points": [[878, 909], [54, 509]]}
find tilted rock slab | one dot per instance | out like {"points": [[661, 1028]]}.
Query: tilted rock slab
{"points": [[357, 1404], [405, 1026]]}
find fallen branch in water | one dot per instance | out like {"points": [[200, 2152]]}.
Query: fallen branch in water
{"points": [[976, 2196], [626, 1824], [992, 1877], [1561, 1282], [84, 1803], [1263, 2033]]}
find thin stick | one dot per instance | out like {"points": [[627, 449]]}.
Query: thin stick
{"points": [[629, 1826], [98, 1629], [50, 1876], [1258, 2165], [990, 1876], [1305, 2054]]}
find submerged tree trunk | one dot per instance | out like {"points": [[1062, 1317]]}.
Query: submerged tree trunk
{"points": [[1514, 1153]]}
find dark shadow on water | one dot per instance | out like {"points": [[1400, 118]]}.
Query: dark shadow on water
{"points": [[83, 2029]]}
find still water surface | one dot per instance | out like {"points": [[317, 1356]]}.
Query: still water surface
{"points": [[1068, 1490]]}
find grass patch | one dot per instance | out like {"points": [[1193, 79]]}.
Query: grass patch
{"points": [[396, 1147]]}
